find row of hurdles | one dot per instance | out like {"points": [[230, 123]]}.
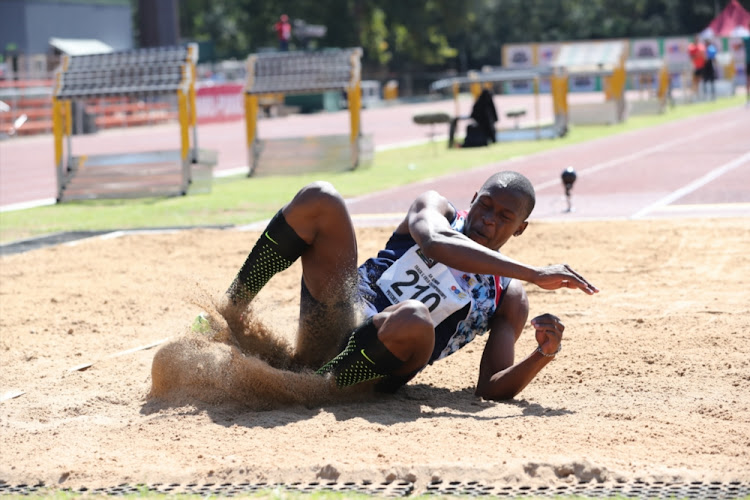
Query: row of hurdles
{"points": [[145, 85], [148, 83]]}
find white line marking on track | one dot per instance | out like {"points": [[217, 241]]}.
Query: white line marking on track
{"points": [[644, 152], [696, 184], [232, 171], [707, 206], [28, 204], [244, 169], [413, 142], [595, 168]]}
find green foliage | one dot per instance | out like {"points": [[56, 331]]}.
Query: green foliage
{"points": [[375, 38], [440, 34]]}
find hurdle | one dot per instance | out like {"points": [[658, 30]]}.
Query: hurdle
{"points": [[306, 72], [155, 73], [602, 59], [476, 81], [654, 72]]}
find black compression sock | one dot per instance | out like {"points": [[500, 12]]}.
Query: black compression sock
{"points": [[364, 358], [276, 249]]}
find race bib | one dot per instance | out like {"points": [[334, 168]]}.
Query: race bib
{"points": [[414, 276]]}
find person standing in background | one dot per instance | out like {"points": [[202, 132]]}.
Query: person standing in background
{"points": [[697, 52], [283, 30], [709, 70]]}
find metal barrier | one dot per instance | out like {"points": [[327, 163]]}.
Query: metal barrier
{"points": [[475, 81], [651, 75], [601, 59], [305, 73], [162, 72], [401, 488]]}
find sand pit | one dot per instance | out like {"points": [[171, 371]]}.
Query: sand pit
{"points": [[651, 383]]}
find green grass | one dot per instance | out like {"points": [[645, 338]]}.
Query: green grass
{"points": [[241, 200]]}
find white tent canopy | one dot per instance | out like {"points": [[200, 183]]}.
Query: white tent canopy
{"points": [[594, 57], [649, 65], [737, 32], [80, 46]]}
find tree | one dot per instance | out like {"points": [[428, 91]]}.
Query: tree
{"points": [[403, 35]]}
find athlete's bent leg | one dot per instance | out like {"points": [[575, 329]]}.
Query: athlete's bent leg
{"points": [[328, 302], [397, 341], [276, 249], [316, 226], [406, 330], [316, 223]]}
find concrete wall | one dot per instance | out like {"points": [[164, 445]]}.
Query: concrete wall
{"points": [[12, 24], [34, 22]]}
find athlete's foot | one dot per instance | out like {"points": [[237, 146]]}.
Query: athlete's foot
{"points": [[202, 324], [233, 312], [210, 327]]}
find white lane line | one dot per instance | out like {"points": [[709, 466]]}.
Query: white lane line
{"points": [[12, 207], [232, 171], [413, 142], [564, 149], [244, 169], [644, 152], [696, 184], [707, 206]]}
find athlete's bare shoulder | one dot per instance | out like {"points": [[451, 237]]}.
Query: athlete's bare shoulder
{"points": [[427, 205]]}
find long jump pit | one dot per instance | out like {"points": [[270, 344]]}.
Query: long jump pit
{"points": [[648, 397]]}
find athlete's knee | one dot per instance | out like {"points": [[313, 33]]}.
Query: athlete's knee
{"points": [[406, 329], [317, 208], [318, 194], [414, 313]]}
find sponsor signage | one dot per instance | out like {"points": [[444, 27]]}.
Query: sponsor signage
{"points": [[220, 103]]}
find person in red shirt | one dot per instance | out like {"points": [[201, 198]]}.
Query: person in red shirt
{"points": [[697, 52], [283, 30]]}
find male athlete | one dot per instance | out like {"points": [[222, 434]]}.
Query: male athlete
{"points": [[439, 282]]}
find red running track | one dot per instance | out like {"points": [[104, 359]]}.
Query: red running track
{"points": [[696, 167], [699, 166], [27, 173]]}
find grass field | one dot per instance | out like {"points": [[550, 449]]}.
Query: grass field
{"points": [[241, 200]]}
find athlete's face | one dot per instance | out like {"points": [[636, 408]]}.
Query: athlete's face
{"points": [[495, 215]]}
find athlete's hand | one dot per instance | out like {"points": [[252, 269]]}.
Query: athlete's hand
{"points": [[549, 331], [562, 276]]}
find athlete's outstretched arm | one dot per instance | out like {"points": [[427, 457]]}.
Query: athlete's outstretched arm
{"points": [[428, 221]]}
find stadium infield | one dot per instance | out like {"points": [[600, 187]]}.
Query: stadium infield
{"points": [[647, 397]]}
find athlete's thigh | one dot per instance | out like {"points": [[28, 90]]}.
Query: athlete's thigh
{"points": [[329, 266], [323, 328], [330, 271]]}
